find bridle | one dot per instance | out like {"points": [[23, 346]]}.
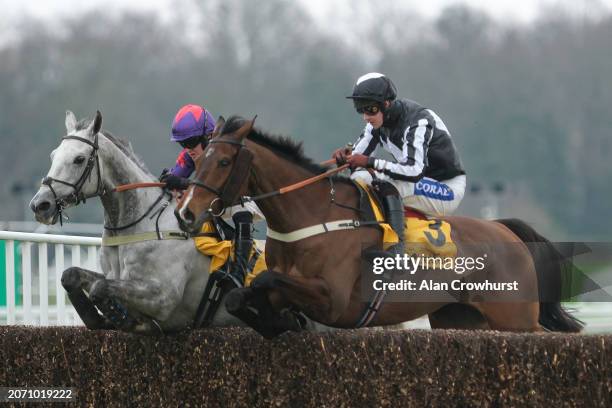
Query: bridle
{"points": [[239, 174], [77, 196], [241, 171]]}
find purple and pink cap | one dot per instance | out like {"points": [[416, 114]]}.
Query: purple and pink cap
{"points": [[191, 121]]}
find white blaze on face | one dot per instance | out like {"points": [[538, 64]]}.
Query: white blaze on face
{"points": [[209, 151], [186, 202]]}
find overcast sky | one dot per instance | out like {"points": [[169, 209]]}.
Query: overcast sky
{"points": [[517, 10], [337, 18]]}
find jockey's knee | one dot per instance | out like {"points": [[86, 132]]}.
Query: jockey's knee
{"points": [[362, 175]]}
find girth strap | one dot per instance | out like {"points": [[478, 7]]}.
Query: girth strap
{"points": [[142, 237], [313, 230]]}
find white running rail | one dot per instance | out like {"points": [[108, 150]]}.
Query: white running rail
{"points": [[32, 293]]}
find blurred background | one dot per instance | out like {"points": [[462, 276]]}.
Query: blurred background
{"points": [[524, 87]]}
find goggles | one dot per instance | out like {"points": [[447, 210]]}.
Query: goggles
{"points": [[369, 108], [192, 142]]}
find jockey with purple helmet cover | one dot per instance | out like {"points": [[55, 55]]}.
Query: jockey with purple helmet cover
{"points": [[192, 128]]}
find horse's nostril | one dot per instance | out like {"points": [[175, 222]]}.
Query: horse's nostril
{"points": [[189, 217], [44, 206]]}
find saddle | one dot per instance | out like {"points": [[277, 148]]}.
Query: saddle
{"points": [[426, 236]]}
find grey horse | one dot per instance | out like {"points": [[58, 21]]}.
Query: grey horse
{"points": [[153, 277]]}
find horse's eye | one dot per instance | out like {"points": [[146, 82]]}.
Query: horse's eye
{"points": [[224, 162], [79, 160]]}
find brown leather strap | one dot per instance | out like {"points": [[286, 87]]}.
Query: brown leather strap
{"points": [[133, 186], [238, 176], [312, 179]]}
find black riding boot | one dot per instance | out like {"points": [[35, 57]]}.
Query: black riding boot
{"points": [[394, 211], [243, 245]]}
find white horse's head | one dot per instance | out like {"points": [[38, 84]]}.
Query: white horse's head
{"points": [[75, 170]]}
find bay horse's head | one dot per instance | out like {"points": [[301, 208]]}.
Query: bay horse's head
{"points": [[71, 177], [221, 176]]}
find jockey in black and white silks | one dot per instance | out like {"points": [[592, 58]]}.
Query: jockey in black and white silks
{"points": [[426, 173]]}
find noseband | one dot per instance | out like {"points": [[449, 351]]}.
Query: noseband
{"points": [[77, 195], [238, 176]]}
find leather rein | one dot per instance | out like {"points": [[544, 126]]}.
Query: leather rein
{"points": [[239, 175], [77, 196]]}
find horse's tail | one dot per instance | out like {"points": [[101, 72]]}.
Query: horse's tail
{"points": [[549, 268]]}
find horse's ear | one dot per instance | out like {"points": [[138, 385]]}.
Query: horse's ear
{"points": [[96, 125], [71, 122], [246, 129], [218, 126]]}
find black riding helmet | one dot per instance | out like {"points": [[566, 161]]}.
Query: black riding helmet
{"points": [[372, 88]]}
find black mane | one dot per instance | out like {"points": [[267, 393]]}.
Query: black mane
{"points": [[281, 145]]}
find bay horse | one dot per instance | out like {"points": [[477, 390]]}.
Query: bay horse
{"points": [[321, 275], [153, 277]]}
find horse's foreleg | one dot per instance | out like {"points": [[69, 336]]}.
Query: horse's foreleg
{"points": [[131, 303], [309, 295], [254, 309], [76, 281], [273, 303]]}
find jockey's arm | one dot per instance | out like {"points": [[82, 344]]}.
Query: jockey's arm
{"points": [[366, 143], [410, 161]]}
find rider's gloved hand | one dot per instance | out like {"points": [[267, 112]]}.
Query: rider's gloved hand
{"points": [[360, 160], [175, 182], [340, 155], [164, 174]]}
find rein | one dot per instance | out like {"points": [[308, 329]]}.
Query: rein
{"points": [[133, 186], [156, 235], [78, 197], [142, 217], [239, 175], [298, 185]]}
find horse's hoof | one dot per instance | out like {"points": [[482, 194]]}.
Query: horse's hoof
{"points": [[236, 300], [71, 278], [292, 320]]}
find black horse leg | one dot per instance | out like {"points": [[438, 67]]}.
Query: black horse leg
{"points": [[73, 281], [112, 309], [237, 303], [253, 307]]}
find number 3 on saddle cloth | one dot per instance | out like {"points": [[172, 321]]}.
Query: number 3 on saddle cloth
{"points": [[209, 243], [429, 237]]}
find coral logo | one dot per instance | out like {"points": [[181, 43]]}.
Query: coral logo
{"points": [[433, 189]]}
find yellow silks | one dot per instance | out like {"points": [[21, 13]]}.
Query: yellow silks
{"points": [[259, 267], [218, 250], [389, 236], [430, 237]]}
